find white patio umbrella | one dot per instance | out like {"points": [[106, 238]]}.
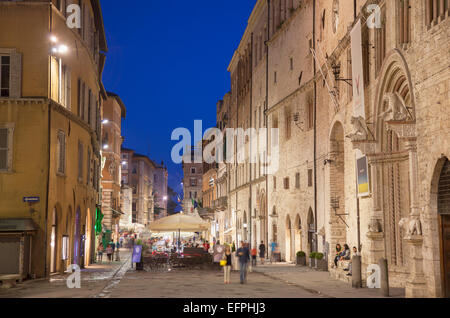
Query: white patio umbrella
{"points": [[180, 222]]}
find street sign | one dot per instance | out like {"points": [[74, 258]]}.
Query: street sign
{"points": [[31, 199]]}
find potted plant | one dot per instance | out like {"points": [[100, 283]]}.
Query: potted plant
{"points": [[321, 263], [301, 258], [312, 259]]}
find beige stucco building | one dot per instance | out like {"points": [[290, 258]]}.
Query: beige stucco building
{"points": [[50, 110]]}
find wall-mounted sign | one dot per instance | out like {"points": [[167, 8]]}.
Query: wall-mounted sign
{"points": [[363, 176], [31, 199]]}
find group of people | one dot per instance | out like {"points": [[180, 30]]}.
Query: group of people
{"points": [[243, 255], [345, 255], [111, 250]]}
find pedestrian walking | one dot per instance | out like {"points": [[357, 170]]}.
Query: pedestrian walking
{"points": [[117, 252], [262, 252], [100, 249], [254, 254], [273, 247], [109, 252], [244, 257], [227, 267]]}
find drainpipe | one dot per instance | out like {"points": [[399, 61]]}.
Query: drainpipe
{"points": [[249, 225], [49, 149], [315, 130], [266, 220]]}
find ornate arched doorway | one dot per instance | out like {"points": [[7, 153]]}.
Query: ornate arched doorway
{"points": [[288, 240], [443, 199], [263, 218], [311, 231], [396, 143], [337, 186], [245, 227], [55, 239], [297, 246], [77, 237]]}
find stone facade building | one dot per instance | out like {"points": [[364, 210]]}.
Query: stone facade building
{"points": [[295, 63], [192, 180], [160, 190], [113, 112], [138, 175], [51, 99]]}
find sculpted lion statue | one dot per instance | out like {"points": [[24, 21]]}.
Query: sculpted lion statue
{"points": [[411, 225], [360, 129], [396, 110]]}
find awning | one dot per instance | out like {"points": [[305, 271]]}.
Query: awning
{"points": [[17, 225]]}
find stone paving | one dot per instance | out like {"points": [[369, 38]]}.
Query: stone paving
{"points": [[119, 280], [319, 282], [94, 279]]}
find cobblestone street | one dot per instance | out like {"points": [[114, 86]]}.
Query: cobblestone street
{"points": [[118, 280]]}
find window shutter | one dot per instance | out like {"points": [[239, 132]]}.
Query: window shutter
{"points": [[89, 167], [16, 75], [80, 161], [86, 103], [92, 108], [68, 89], [3, 148], [61, 152]]}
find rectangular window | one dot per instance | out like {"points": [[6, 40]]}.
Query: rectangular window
{"points": [[80, 161], [5, 148], [288, 124], [275, 183], [436, 11], [310, 112], [291, 64], [5, 71], [310, 178], [275, 77], [88, 166], [286, 183], [297, 180], [61, 150], [404, 22], [89, 113]]}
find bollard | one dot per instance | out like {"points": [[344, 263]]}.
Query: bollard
{"points": [[356, 272], [384, 275]]}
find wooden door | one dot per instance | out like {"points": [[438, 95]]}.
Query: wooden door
{"points": [[444, 211], [445, 236]]}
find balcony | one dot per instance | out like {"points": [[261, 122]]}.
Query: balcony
{"points": [[221, 203]]}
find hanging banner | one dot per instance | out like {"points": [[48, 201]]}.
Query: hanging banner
{"points": [[362, 171], [357, 72]]}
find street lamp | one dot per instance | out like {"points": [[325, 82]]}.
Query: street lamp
{"points": [[105, 121]]}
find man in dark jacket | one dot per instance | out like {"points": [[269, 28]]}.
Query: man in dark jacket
{"points": [[244, 257], [262, 252]]}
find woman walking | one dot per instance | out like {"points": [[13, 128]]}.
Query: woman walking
{"points": [[109, 252], [227, 267], [100, 252]]}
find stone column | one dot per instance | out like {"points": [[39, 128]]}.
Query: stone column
{"points": [[413, 176], [416, 286]]}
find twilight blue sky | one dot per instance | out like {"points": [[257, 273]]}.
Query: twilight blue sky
{"points": [[168, 62]]}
